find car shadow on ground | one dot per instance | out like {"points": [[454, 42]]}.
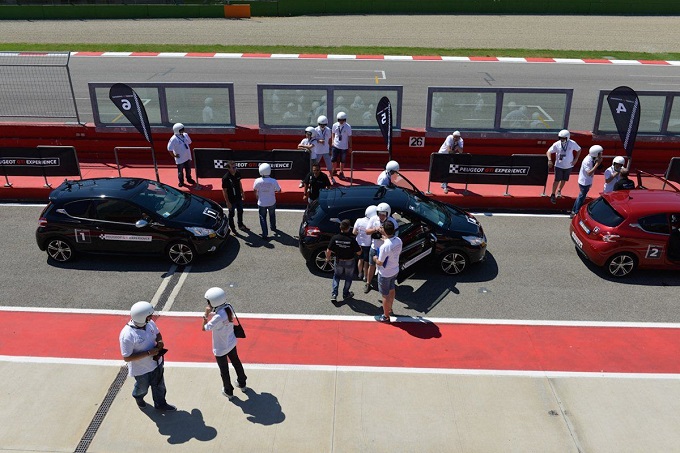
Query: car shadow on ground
{"points": [[642, 277]]}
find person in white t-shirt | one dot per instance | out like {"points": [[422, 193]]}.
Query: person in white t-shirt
{"points": [[613, 174], [266, 188], [323, 139], [375, 230], [342, 143], [309, 143], [142, 348], [387, 262], [178, 146], [208, 115], [585, 176], [566, 153], [364, 240], [453, 144], [385, 177], [221, 324]]}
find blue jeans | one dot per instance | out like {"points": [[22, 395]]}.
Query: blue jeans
{"points": [[581, 198], [238, 207], [344, 269], [156, 381], [263, 218]]}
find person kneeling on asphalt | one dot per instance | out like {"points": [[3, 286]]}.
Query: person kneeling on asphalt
{"points": [[346, 249], [141, 346], [387, 262]]}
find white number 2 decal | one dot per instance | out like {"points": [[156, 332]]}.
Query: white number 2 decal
{"points": [[654, 252]]}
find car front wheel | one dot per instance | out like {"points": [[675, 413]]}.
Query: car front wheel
{"points": [[621, 265], [180, 253], [453, 262], [59, 250]]}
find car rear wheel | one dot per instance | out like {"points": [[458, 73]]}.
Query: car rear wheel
{"points": [[59, 250], [320, 262], [180, 253], [453, 262], [621, 265]]}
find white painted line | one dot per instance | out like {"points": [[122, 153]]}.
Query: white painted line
{"points": [[455, 58], [569, 60], [176, 289], [511, 60], [172, 54], [228, 55], [341, 57], [464, 321], [163, 285], [357, 369], [398, 57], [116, 54], [624, 62], [285, 55]]}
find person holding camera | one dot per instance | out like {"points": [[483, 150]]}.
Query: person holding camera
{"points": [[585, 176], [141, 346], [219, 319]]}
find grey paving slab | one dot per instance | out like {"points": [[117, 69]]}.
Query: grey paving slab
{"points": [[48, 407]]}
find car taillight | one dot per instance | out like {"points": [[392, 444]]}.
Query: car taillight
{"points": [[42, 222], [312, 231]]}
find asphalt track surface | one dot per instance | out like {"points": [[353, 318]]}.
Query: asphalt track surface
{"points": [[368, 398]]}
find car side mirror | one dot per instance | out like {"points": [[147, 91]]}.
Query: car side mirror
{"points": [[141, 223]]}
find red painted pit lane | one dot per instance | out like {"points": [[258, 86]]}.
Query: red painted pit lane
{"points": [[357, 343]]}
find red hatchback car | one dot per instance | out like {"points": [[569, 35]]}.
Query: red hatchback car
{"points": [[627, 229]]}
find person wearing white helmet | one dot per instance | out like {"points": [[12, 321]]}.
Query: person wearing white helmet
{"points": [[178, 146], [364, 240], [376, 231], [141, 346], [309, 144], [566, 153], [219, 319], [613, 174], [453, 144], [323, 139], [208, 115], [385, 177], [266, 188], [585, 176], [342, 144]]}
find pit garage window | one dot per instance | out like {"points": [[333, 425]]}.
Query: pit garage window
{"points": [[659, 114]]}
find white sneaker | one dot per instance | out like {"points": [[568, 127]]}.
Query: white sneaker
{"points": [[230, 397], [244, 389], [446, 190], [302, 184]]}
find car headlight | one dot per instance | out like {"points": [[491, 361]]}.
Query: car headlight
{"points": [[201, 232], [474, 240]]}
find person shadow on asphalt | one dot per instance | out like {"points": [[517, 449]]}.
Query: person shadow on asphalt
{"points": [[261, 408], [182, 426]]}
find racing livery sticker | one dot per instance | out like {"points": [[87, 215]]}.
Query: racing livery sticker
{"points": [[654, 252], [124, 237], [83, 236]]}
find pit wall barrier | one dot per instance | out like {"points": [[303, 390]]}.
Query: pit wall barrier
{"points": [[94, 146], [283, 8]]}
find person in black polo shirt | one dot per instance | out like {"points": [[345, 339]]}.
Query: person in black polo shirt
{"points": [[624, 183], [232, 189], [314, 182], [345, 248]]}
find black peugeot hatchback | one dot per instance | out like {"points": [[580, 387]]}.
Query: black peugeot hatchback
{"points": [[430, 229], [129, 216]]}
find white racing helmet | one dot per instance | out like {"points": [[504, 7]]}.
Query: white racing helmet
{"points": [[595, 150], [342, 116], [456, 134], [140, 311], [322, 120], [392, 166], [177, 127], [309, 130], [371, 211], [265, 169], [384, 207], [564, 134], [619, 160], [216, 297]]}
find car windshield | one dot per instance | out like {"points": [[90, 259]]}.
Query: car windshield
{"points": [[602, 212], [161, 199], [428, 209]]}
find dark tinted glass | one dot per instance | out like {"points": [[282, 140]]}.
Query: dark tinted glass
{"points": [[78, 208], [117, 211], [657, 223], [603, 213]]}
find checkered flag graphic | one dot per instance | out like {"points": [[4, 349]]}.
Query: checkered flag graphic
{"points": [[219, 163], [454, 168]]}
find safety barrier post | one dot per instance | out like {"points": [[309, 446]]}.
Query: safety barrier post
{"points": [[153, 156]]}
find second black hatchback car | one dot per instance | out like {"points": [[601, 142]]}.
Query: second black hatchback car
{"points": [[429, 229], [129, 216]]}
